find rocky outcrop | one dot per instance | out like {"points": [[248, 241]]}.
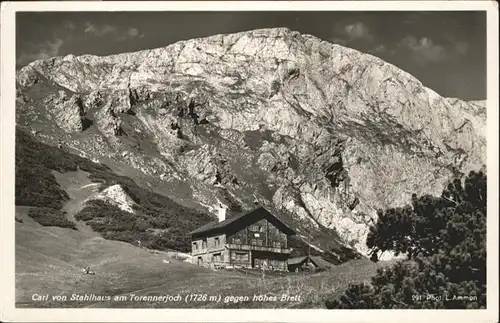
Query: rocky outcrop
{"points": [[67, 110], [108, 122], [27, 76], [325, 133], [208, 166], [93, 100]]}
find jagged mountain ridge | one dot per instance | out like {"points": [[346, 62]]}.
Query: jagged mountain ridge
{"points": [[324, 132]]}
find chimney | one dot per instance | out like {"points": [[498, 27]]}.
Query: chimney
{"points": [[222, 212]]}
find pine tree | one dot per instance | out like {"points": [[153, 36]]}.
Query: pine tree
{"points": [[444, 239]]}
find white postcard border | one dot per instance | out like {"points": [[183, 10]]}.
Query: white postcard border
{"points": [[7, 172]]}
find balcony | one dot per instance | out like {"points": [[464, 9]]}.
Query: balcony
{"points": [[258, 248]]}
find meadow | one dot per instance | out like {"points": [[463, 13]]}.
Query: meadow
{"points": [[49, 261]]}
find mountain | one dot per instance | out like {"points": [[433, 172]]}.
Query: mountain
{"points": [[322, 134]]}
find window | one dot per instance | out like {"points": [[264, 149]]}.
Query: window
{"points": [[236, 240], [216, 241], [277, 244], [256, 235], [204, 244], [256, 242], [256, 228], [195, 246], [217, 257], [239, 256]]}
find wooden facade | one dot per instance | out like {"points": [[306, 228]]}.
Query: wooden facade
{"points": [[256, 239]]}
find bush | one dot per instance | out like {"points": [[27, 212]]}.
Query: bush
{"points": [[155, 212], [444, 239], [49, 217]]}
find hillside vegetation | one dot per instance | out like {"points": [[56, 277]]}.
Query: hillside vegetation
{"points": [[47, 216], [36, 186]]}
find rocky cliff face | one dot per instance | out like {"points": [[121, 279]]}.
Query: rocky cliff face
{"points": [[324, 133]]}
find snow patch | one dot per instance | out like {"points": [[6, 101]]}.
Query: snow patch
{"points": [[116, 195], [91, 184]]}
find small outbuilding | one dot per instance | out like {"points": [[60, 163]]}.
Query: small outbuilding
{"points": [[308, 263], [304, 263]]}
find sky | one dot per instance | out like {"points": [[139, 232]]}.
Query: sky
{"points": [[446, 51]]}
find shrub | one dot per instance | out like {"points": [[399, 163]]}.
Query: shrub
{"points": [[51, 218], [155, 212]]}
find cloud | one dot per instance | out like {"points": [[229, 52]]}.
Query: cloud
{"points": [[45, 50], [424, 49], [130, 33], [70, 32], [112, 31], [357, 31], [99, 30], [379, 49], [353, 34]]}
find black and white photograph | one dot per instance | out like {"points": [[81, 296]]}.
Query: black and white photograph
{"points": [[312, 159]]}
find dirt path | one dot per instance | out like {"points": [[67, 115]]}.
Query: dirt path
{"points": [[79, 188]]}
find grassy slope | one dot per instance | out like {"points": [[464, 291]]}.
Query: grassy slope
{"points": [[49, 260]]}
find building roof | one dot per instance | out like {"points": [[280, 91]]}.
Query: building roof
{"points": [[299, 260], [322, 263], [316, 260], [296, 260], [216, 226]]}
